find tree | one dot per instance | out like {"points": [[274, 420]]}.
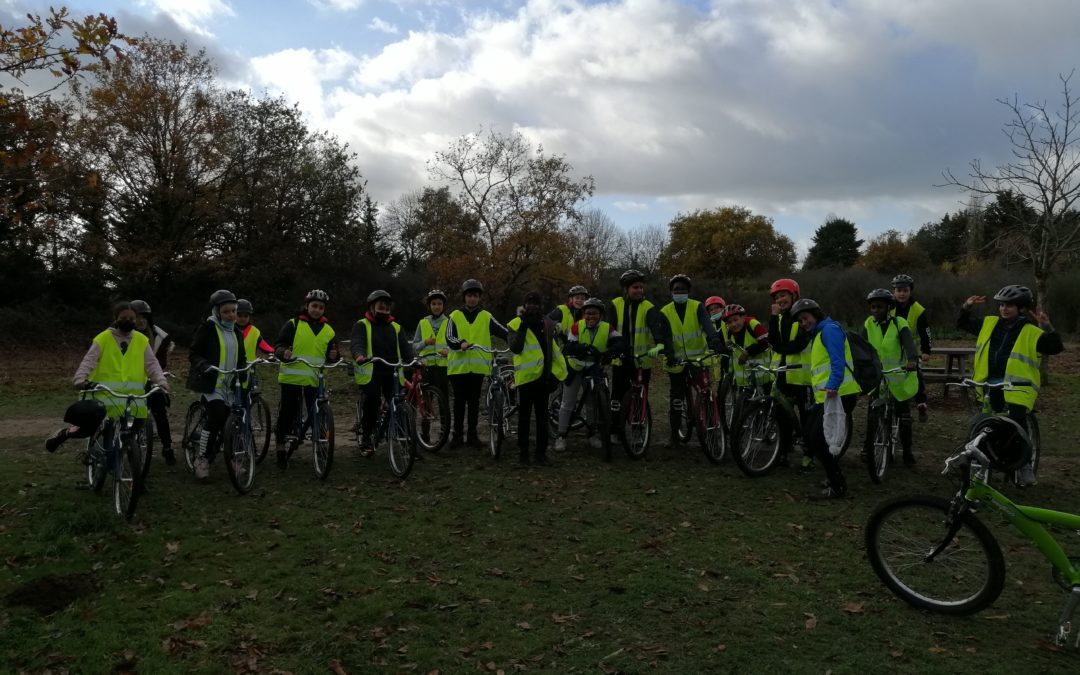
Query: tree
{"points": [[1045, 175], [888, 253], [726, 244], [836, 244], [944, 241], [372, 242], [641, 248], [595, 244]]}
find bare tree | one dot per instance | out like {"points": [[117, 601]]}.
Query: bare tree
{"points": [[1045, 174], [403, 225], [596, 243], [642, 247]]}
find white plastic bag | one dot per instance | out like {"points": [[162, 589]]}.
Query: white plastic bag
{"points": [[835, 424]]}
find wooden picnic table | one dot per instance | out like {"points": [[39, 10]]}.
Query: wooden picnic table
{"points": [[956, 366]]}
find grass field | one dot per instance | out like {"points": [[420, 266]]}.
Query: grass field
{"points": [[665, 565]]}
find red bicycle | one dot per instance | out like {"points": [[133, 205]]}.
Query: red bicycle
{"points": [[635, 418], [431, 411], [702, 410]]}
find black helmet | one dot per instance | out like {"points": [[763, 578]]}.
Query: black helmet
{"points": [[432, 294], [881, 294], [219, 298], [804, 305], [317, 294], [679, 277], [141, 306], [630, 277], [594, 302], [901, 280], [1018, 295], [375, 296], [1007, 445], [244, 307], [472, 285], [577, 290]]}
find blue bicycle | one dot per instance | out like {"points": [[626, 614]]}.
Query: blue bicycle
{"points": [[319, 418], [396, 426]]}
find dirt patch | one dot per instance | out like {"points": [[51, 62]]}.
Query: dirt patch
{"points": [[38, 426], [51, 593]]}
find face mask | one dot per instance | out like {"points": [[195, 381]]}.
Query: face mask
{"points": [[228, 325], [125, 326], [717, 316], [680, 298]]}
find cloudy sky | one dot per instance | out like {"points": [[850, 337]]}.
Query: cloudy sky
{"points": [[797, 109]]}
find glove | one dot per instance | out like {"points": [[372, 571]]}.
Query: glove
{"points": [[655, 351]]}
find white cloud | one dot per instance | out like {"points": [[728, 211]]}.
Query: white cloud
{"points": [[382, 26], [191, 15], [337, 5], [630, 205]]}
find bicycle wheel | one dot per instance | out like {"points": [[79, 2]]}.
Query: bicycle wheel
{"points": [[194, 421], [965, 577], [710, 428], [240, 458], [757, 442], [96, 465], [879, 448], [262, 428], [602, 417], [433, 419], [1036, 442], [496, 423], [322, 439], [399, 442], [728, 395], [126, 483], [685, 430], [635, 427], [146, 448]]}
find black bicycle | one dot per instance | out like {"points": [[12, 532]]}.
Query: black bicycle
{"points": [[760, 410], [318, 418], [396, 426], [592, 411]]}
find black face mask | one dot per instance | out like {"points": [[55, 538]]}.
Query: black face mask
{"points": [[125, 326]]}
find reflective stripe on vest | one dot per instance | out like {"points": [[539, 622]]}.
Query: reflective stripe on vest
{"points": [[123, 372], [529, 364], [641, 338], [821, 368], [687, 333], [745, 340], [566, 320], [432, 353], [597, 339], [362, 373], [462, 361], [800, 375], [306, 344], [1023, 364], [902, 385]]}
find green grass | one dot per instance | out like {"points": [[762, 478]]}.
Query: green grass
{"points": [[667, 565]]}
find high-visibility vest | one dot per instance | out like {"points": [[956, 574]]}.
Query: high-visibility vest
{"points": [[529, 364], [306, 344], [362, 372], [821, 368], [597, 339], [566, 320], [463, 361], [252, 335], [687, 334], [745, 340], [641, 339], [1023, 364], [902, 385], [914, 312], [799, 375], [432, 354], [123, 372]]}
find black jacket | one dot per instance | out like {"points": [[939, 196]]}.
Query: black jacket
{"points": [[205, 351], [384, 343], [1004, 337], [288, 333], [544, 331]]}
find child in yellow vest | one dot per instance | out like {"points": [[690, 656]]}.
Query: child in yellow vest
{"points": [[891, 337], [538, 367]]}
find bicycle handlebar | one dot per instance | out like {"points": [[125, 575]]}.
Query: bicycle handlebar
{"points": [[488, 350], [309, 364], [238, 370], [779, 369], [377, 359], [971, 451], [100, 387], [968, 383], [701, 359]]}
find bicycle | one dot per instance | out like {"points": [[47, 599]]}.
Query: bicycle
{"points": [[756, 438], [984, 409], [593, 408], [262, 428], [882, 429], [501, 399], [635, 414], [147, 448], [701, 409], [121, 459], [430, 409], [396, 425], [319, 418], [935, 554]]}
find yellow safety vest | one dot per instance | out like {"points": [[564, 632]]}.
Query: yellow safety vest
{"points": [[641, 338], [251, 343], [597, 339], [687, 334], [1024, 361], [902, 385], [740, 371], [463, 361], [529, 364], [800, 375], [308, 345], [123, 372], [821, 368], [566, 320], [432, 354], [913, 315], [362, 373]]}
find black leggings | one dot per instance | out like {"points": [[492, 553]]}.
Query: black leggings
{"points": [[372, 394], [622, 375], [467, 388], [292, 397], [533, 400], [797, 394], [217, 411], [814, 438]]}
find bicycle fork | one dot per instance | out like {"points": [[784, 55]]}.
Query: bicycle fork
{"points": [[1065, 621]]}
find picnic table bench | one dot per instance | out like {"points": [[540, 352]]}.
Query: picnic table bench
{"points": [[956, 368]]}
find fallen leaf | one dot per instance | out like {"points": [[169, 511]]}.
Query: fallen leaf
{"points": [[524, 625], [938, 650], [336, 668], [188, 586], [719, 648], [194, 623], [172, 547], [896, 653], [253, 595], [811, 621], [853, 608]]}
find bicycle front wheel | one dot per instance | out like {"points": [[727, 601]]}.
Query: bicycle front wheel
{"points": [[757, 442], [879, 451], [239, 454], [685, 430], [322, 439], [636, 424], [496, 422], [710, 428], [399, 439], [261, 427], [728, 394], [146, 448], [126, 476], [194, 422], [96, 465], [433, 419], [964, 578]]}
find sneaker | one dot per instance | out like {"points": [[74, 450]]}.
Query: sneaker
{"points": [[456, 442], [1025, 477], [202, 468], [282, 457], [909, 459], [808, 463], [560, 444], [923, 415], [595, 442], [474, 441], [56, 440], [833, 493], [169, 455]]}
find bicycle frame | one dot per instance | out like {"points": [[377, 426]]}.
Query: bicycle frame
{"points": [[302, 424]]}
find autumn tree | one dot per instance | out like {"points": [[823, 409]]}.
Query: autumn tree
{"points": [[889, 253], [595, 245], [641, 248], [836, 244]]}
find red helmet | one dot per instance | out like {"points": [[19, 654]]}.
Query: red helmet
{"points": [[789, 285], [732, 310], [714, 300]]}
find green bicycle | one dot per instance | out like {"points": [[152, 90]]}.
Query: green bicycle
{"points": [[935, 554]]}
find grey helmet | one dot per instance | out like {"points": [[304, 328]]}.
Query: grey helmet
{"points": [[472, 285], [679, 277], [594, 302], [432, 294], [244, 307], [577, 290], [141, 306], [631, 277], [317, 294], [804, 305], [1020, 296], [375, 296], [881, 294], [902, 280], [222, 297]]}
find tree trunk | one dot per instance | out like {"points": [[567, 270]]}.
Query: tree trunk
{"points": [[1042, 287]]}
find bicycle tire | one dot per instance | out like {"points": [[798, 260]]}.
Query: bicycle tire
{"points": [[756, 443], [555, 403], [879, 450], [711, 434], [635, 426], [322, 440], [1036, 442], [435, 409], [930, 515], [728, 395], [96, 466], [262, 427], [685, 431], [602, 403], [127, 485], [496, 423], [146, 451], [239, 449], [399, 440], [194, 421]]}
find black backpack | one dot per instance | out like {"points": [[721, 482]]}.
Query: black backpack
{"points": [[866, 364]]}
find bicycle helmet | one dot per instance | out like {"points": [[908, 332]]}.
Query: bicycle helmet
{"points": [[901, 280], [375, 296], [789, 285], [1006, 445], [679, 277], [1018, 295], [596, 303], [577, 290], [141, 306], [222, 297], [881, 294], [732, 310], [630, 277], [244, 307], [434, 293], [472, 285], [317, 294], [87, 414], [714, 300], [804, 305]]}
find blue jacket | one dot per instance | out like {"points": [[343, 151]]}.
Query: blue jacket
{"points": [[834, 339]]}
